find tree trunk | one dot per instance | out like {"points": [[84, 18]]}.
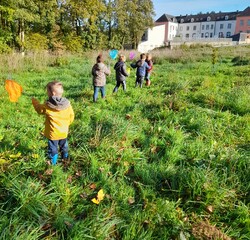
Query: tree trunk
{"points": [[21, 35]]}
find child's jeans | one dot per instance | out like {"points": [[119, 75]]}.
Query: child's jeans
{"points": [[96, 90], [139, 80], [53, 149], [118, 85]]}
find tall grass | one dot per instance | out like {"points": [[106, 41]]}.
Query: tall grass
{"points": [[172, 158]]}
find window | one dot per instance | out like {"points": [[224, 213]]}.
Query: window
{"points": [[248, 22], [187, 28], [202, 35], [206, 35], [194, 28], [228, 34], [212, 26], [229, 25], [221, 35], [192, 20], [226, 17], [241, 22], [211, 35], [207, 27], [182, 20], [203, 27], [221, 26], [187, 35], [208, 18], [144, 36]]}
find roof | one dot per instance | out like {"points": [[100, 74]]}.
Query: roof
{"points": [[202, 17], [245, 12], [221, 16], [166, 18]]}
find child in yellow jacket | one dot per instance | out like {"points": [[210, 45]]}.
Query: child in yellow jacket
{"points": [[58, 116]]}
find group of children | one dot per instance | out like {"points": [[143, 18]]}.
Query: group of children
{"points": [[58, 110], [144, 67]]}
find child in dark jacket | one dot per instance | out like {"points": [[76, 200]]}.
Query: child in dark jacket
{"points": [[121, 73], [142, 67]]}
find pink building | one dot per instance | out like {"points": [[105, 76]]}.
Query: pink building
{"points": [[243, 22]]}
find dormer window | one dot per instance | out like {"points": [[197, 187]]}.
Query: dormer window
{"points": [[226, 17], [208, 18], [182, 20], [192, 20]]}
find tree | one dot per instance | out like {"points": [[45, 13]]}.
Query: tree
{"points": [[140, 18]]}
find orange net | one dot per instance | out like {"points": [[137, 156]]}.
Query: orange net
{"points": [[14, 90]]}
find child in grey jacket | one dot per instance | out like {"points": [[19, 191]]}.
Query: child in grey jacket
{"points": [[99, 73]]}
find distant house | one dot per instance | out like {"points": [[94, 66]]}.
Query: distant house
{"points": [[243, 21], [165, 29], [202, 27]]}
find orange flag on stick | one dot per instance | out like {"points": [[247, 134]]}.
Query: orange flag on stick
{"points": [[14, 90]]}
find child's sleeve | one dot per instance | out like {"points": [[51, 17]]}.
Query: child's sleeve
{"points": [[133, 65], [124, 71], [40, 108], [107, 71]]}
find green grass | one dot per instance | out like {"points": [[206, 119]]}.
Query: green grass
{"points": [[172, 158]]}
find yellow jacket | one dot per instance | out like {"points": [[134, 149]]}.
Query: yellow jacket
{"points": [[57, 120]]}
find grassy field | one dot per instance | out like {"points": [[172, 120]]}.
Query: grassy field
{"points": [[173, 159]]}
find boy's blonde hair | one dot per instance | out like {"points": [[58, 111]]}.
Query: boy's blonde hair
{"points": [[148, 56], [122, 57], [54, 88]]}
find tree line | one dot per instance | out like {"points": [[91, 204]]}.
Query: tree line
{"points": [[73, 25]]}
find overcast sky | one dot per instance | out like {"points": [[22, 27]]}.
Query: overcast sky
{"points": [[182, 7]]}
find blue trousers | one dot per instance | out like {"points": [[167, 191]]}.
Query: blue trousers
{"points": [[53, 149], [96, 90], [118, 85]]}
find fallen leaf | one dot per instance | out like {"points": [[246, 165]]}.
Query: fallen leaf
{"points": [[49, 171], [99, 198], [131, 200], [210, 209], [128, 116], [15, 155], [3, 161], [69, 180], [92, 186]]}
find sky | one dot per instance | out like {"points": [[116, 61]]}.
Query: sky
{"points": [[183, 7]]}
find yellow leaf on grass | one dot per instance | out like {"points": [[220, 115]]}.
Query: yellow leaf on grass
{"points": [[3, 161], [94, 200], [15, 155], [99, 198]]}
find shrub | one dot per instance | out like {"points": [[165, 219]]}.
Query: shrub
{"points": [[4, 48], [74, 44], [36, 42]]}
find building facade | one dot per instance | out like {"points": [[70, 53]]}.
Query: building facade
{"points": [[200, 27]]}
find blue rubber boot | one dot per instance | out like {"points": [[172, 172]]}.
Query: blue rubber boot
{"points": [[54, 159]]}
